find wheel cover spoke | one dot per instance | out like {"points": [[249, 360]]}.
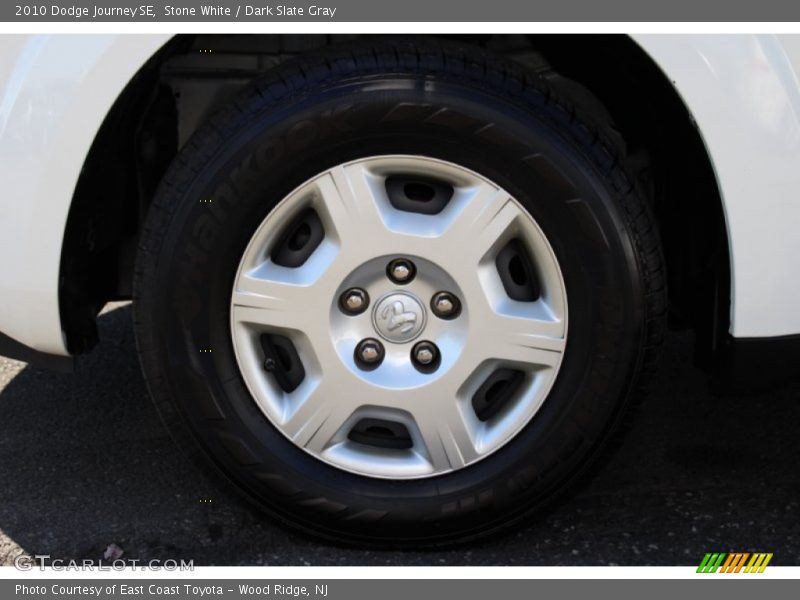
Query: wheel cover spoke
{"points": [[485, 216], [447, 437], [526, 340], [351, 204], [273, 303]]}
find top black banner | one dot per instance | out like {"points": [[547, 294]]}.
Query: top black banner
{"points": [[404, 10]]}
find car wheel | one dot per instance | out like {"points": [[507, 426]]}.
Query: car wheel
{"points": [[399, 293]]}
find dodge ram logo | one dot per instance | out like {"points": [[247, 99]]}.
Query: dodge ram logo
{"points": [[399, 317], [396, 316]]}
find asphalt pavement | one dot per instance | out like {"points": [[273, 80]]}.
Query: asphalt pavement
{"points": [[85, 462]]}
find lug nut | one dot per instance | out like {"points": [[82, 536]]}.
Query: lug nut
{"points": [[354, 301], [369, 353], [401, 270], [445, 305], [425, 356]]}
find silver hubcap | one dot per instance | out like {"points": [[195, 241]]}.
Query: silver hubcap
{"points": [[427, 408]]}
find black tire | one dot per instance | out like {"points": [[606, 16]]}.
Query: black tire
{"points": [[498, 120]]}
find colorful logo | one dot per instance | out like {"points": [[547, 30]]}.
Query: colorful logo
{"points": [[734, 562]]}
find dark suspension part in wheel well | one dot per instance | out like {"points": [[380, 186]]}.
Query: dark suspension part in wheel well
{"points": [[191, 76]]}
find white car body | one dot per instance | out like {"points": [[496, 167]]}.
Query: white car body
{"points": [[742, 91]]}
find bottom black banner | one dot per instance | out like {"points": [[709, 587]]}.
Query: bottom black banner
{"points": [[417, 589]]}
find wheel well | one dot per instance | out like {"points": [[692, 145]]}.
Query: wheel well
{"points": [[190, 76]]}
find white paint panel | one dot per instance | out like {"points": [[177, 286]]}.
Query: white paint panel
{"points": [[56, 91], [743, 93]]}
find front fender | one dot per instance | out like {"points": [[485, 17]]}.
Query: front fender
{"points": [[743, 93], [56, 92]]}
